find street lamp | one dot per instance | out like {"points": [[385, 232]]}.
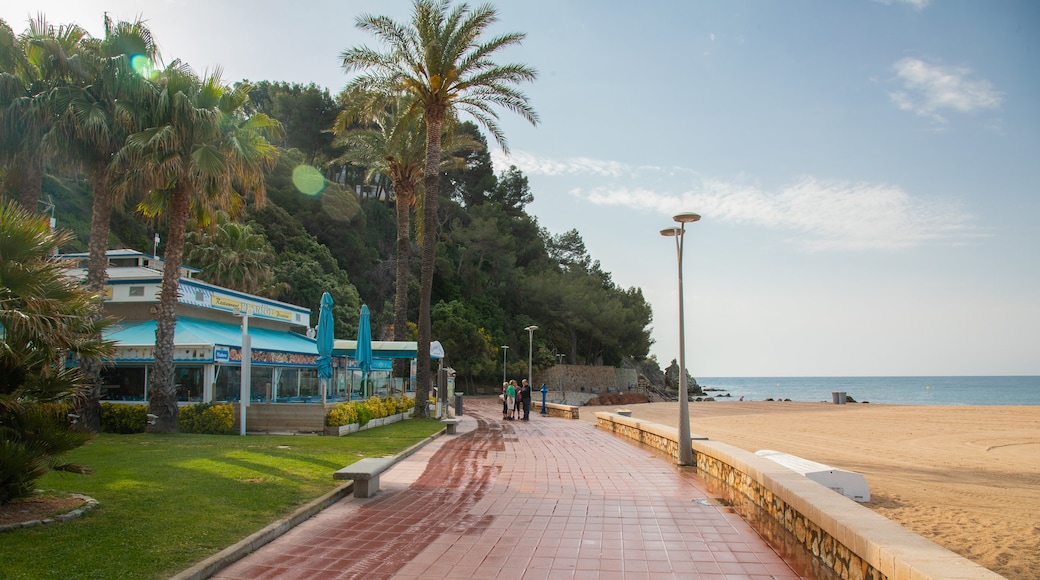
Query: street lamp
{"points": [[247, 357], [559, 372], [685, 449], [505, 349], [530, 351]]}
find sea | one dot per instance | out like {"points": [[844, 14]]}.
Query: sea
{"points": [[974, 390]]}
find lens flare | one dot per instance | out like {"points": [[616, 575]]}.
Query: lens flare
{"points": [[308, 180], [143, 66]]}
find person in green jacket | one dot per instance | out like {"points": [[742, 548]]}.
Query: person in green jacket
{"points": [[511, 399]]}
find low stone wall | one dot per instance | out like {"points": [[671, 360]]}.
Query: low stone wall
{"points": [[843, 537], [554, 410]]}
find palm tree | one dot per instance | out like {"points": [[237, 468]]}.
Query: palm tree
{"points": [[439, 60], [33, 64], [45, 316], [198, 154], [234, 256], [95, 116], [390, 141]]}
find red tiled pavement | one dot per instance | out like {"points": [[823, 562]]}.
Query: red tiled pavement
{"points": [[545, 498]]}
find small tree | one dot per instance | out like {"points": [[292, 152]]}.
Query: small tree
{"points": [[45, 317]]}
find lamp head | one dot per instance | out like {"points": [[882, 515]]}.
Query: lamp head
{"points": [[687, 218], [671, 232], [531, 328]]}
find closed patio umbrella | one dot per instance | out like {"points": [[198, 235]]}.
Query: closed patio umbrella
{"points": [[325, 339], [363, 351]]}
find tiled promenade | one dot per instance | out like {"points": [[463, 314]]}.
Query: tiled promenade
{"points": [[545, 498]]}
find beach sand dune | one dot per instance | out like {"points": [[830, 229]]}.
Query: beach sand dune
{"points": [[968, 478]]}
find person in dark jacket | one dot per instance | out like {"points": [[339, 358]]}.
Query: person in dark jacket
{"points": [[525, 398]]}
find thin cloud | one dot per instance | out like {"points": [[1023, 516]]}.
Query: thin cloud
{"points": [[929, 90], [819, 214], [533, 165], [916, 4]]}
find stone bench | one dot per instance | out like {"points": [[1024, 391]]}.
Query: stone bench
{"points": [[848, 483], [452, 425], [365, 474]]}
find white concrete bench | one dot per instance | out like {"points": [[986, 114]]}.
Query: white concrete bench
{"points": [[365, 474], [848, 483], [452, 425]]}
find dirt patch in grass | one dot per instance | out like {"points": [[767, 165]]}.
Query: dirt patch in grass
{"points": [[38, 507]]}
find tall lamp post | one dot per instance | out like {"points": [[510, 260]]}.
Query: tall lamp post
{"points": [[685, 449], [530, 352], [505, 349], [559, 372], [246, 384]]}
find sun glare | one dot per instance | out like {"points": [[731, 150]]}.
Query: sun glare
{"points": [[308, 180], [143, 66]]}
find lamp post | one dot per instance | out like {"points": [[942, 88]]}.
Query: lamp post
{"points": [[505, 349], [559, 372], [685, 449], [530, 351], [247, 358]]}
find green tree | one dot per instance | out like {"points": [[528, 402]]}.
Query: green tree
{"points": [[95, 116], [32, 66], [45, 316], [467, 345], [440, 60], [386, 135], [472, 183], [512, 191], [305, 111], [233, 255], [199, 154]]}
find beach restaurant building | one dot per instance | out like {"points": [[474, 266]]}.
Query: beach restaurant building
{"points": [[208, 342]]}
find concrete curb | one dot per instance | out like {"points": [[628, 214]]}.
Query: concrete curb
{"points": [[224, 558]]}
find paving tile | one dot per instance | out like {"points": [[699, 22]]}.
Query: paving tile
{"points": [[538, 500]]}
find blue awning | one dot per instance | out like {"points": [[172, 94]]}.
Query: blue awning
{"points": [[194, 332]]}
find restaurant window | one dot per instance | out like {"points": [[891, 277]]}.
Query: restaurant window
{"points": [[124, 384], [188, 382]]}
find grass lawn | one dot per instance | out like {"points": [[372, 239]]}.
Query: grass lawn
{"points": [[168, 501]]}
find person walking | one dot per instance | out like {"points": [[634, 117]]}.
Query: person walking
{"points": [[505, 408], [511, 400], [525, 399]]}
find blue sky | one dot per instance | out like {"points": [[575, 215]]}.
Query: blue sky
{"points": [[867, 171]]}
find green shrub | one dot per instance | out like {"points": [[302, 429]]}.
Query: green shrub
{"points": [[23, 462], [364, 413], [123, 418], [210, 418]]}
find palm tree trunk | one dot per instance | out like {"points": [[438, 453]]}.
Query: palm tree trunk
{"points": [[31, 181], [162, 394], [402, 270], [431, 186], [97, 273]]}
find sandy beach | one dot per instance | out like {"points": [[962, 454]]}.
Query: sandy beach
{"points": [[968, 478]]}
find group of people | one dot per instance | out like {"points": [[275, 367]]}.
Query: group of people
{"points": [[515, 400]]}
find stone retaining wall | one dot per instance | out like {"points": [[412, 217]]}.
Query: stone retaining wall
{"points": [[554, 410], [842, 536], [586, 379]]}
